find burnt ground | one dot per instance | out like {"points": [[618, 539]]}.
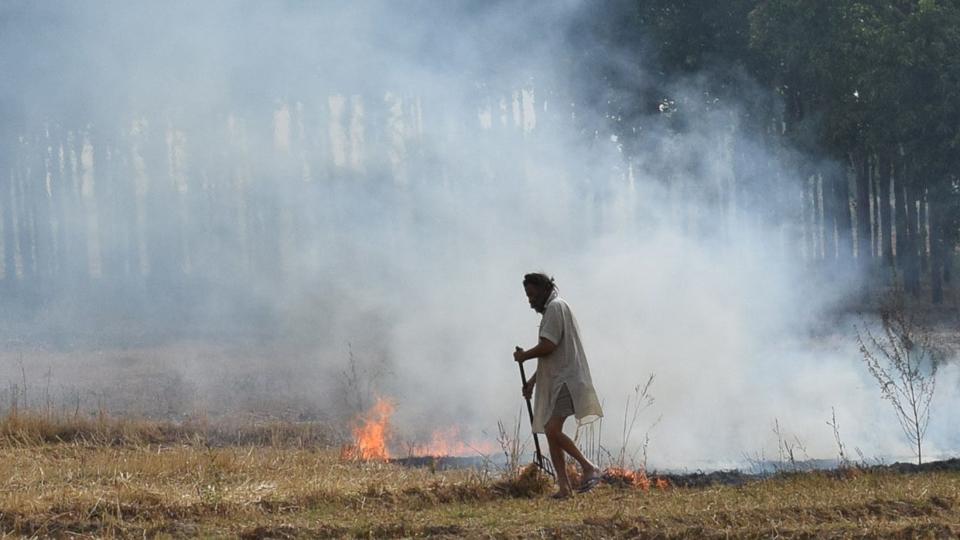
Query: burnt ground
{"points": [[737, 478], [700, 479], [443, 463]]}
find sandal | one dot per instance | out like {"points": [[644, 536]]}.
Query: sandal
{"points": [[588, 484]]}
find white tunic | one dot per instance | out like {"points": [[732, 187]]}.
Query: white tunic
{"points": [[567, 364]]}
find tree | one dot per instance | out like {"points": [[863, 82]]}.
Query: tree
{"points": [[903, 360]]}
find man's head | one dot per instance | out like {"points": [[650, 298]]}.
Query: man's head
{"points": [[538, 287]]}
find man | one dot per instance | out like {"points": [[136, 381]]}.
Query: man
{"points": [[562, 381]]}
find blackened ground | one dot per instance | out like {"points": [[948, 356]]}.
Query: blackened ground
{"points": [[443, 463], [738, 478]]}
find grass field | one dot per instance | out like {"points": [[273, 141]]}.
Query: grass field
{"points": [[118, 478]]}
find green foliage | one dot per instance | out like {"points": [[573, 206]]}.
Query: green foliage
{"points": [[688, 37], [856, 81], [855, 74]]}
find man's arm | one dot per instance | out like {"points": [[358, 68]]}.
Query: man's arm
{"points": [[543, 348]]}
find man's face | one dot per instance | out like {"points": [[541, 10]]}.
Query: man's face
{"points": [[536, 297]]}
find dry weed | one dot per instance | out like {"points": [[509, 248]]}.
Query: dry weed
{"points": [[529, 481], [26, 428]]}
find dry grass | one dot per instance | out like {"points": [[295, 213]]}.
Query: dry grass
{"points": [[31, 428], [140, 487]]}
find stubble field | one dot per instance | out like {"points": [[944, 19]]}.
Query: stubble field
{"points": [[98, 477]]}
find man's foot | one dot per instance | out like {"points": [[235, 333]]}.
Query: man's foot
{"points": [[588, 484], [560, 495], [591, 478]]}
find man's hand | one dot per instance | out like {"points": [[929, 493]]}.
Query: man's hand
{"points": [[528, 388], [543, 348]]}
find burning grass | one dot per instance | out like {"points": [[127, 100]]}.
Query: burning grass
{"points": [[372, 436], [91, 485], [297, 493]]}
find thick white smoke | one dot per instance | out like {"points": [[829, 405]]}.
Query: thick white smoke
{"points": [[432, 156]]}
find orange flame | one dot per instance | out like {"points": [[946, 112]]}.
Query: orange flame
{"points": [[448, 442], [373, 430], [627, 478], [370, 438]]}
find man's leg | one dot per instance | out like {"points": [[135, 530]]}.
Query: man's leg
{"points": [[554, 430], [567, 445]]}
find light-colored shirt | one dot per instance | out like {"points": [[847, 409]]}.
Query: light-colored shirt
{"points": [[567, 364]]}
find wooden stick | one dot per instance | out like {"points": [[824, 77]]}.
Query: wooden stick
{"points": [[536, 439]]}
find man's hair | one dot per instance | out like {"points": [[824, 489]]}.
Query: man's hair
{"points": [[540, 280]]}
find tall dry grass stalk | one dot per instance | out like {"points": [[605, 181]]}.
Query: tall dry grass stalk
{"points": [[641, 400]]}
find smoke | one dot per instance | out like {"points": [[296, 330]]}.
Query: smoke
{"points": [[297, 205]]}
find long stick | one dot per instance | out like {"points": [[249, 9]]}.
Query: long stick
{"points": [[536, 440]]}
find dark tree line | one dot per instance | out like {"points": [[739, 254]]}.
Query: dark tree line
{"points": [[873, 86]]}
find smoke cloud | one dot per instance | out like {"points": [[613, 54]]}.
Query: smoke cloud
{"points": [[294, 206]]}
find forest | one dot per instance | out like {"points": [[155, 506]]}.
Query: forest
{"points": [[103, 182], [867, 97]]}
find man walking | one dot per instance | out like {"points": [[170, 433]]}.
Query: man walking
{"points": [[562, 381]]}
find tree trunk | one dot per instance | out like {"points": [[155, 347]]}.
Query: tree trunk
{"points": [[39, 202], [844, 221], [7, 150], [862, 178], [24, 218], [900, 215], [885, 213], [264, 210], [830, 217], [937, 251], [128, 211], [923, 228], [874, 207], [948, 264], [58, 190], [823, 230], [77, 235], [912, 236], [159, 212], [104, 206]]}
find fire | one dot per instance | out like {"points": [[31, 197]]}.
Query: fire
{"points": [[627, 478], [617, 476], [446, 442], [370, 437]]}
